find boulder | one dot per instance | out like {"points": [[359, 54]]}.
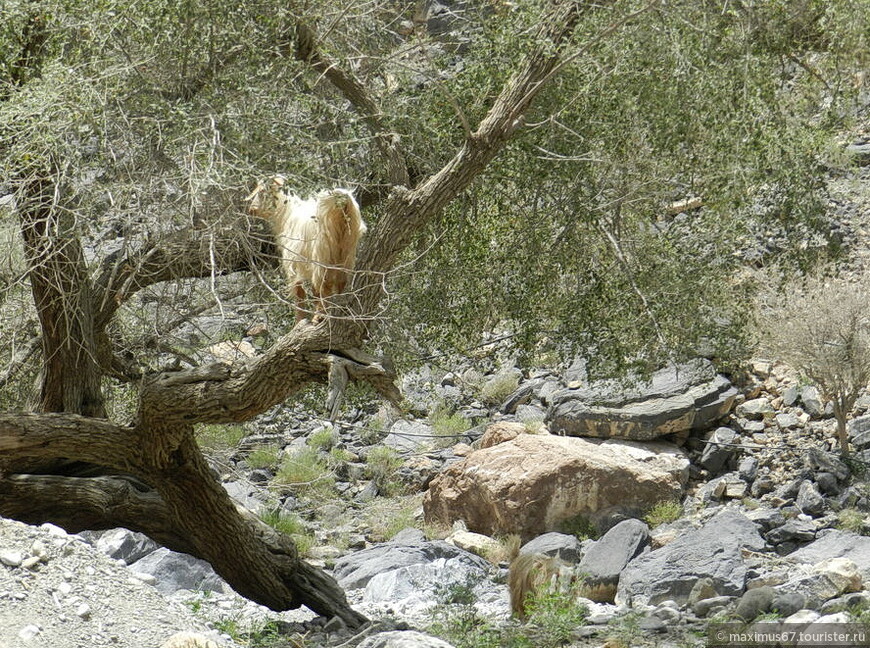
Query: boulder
{"points": [[826, 580], [175, 571], [674, 400], [714, 551], [410, 436], [533, 483], [357, 569], [604, 561], [859, 432], [837, 544], [755, 409], [561, 545]]}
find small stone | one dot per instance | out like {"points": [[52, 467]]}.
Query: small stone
{"points": [[11, 558], [31, 562], [712, 605], [28, 632], [756, 409], [748, 468], [827, 483], [65, 589], [809, 500], [787, 421], [39, 550], [148, 579], [652, 624], [802, 616], [83, 611]]}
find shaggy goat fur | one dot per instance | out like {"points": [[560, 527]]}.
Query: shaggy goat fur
{"points": [[317, 238]]}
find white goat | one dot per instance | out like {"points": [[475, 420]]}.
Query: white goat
{"points": [[317, 238]]}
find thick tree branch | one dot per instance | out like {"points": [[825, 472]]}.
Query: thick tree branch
{"points": [[306, 50], [81, 503]]}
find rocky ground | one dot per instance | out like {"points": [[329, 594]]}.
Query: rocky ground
{"points": [[742, 510]]}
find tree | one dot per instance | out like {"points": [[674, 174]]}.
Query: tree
{"points": [[69, 464], [128, 132], [822, 330]]}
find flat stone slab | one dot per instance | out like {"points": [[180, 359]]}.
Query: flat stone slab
{"points": [[674, 400]]}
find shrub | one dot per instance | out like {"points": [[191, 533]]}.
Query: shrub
{"points": [[323, 439], [220, 438], [851, 519], [822, 329], [381, 466], [264, 457], [663, 512], [306, 468], [292, 526], [499, 387]]}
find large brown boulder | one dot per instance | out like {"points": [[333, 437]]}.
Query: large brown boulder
{"points": [[531, 484]]}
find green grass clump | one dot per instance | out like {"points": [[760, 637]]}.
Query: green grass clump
{"points": [[499, 387], [219, 438], [447, 425], [292, 526], [323, 439], [579, 526], [306, 468], [663, 512], [382, 463], [851, 519], [264, 457]]}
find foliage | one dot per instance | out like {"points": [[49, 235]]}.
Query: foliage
{"points": [[323, 439], [220, 438], [851, 519], [382, 462], [292, 526], [553, 616], [823, 330], [663, 512], [580, 526], [264, 457], [307, 470], [385, 517], [448, 425], [499, 387]]}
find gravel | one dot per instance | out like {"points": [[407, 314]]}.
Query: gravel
{"points": [[57, 591]]}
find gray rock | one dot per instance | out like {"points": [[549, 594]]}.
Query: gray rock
{"points": [[403, 639], [762, 485], [712, 551], [756, 409], [827, 484], [122, 544], [357, 569], [825, 462], [705, 607], [792, 531], [755, 602], [767, 518], [837, 544], [652, 624], [604, 561], [845, 603], [859, 432], [748, 468], [715, 456], [860, 152], [787, 603], [812, 402], [245, 494], [809, 500], [787, 421], [790, 396], [669, 402], [176, 571], [561, 545], [410, 436], [521, 396]]}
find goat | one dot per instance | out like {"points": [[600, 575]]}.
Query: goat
{"points": [[317, 238]]}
